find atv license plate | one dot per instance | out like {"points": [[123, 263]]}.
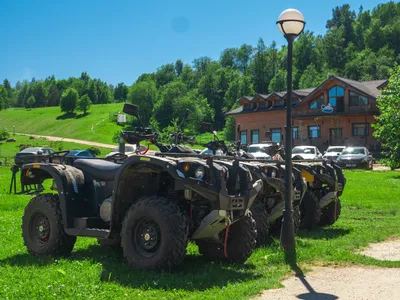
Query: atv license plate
{"points": [[350, 165], [296, 195]]}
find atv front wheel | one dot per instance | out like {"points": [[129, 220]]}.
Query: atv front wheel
{"points": [[275, 228], [42, 227], [310, 211], [331, 213], [260, 215], [153, 234], [240, 244]]}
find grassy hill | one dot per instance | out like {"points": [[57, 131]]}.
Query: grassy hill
{"points": [[96, 126]]}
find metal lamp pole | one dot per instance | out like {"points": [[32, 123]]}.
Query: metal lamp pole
{"points": [[291, 24]]}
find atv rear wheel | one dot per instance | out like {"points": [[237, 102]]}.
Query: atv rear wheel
{"points": [[260, 215], [310, 211], [42, 227], [240, 244], [331, 213], [154, 234]]}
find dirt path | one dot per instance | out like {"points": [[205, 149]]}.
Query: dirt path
{"points": [[388, 250], [56, 139], [340, 283]]}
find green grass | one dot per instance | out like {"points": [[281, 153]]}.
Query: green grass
{"points": [[96, 126], [370, 214], [8, 150]]}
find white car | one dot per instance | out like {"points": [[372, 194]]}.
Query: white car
{"points": [[306, 152], [260, 151], [129, 150], [333, 152]]}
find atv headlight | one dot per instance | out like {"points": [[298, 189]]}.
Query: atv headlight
{"points": [[273, 173], [199, 174]]}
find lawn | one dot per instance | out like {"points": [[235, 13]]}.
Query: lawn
{"points": [[370, 213], [96, 126]]}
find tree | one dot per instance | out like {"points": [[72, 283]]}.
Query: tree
{"points": [[165, 74], [278, 83], [243, 57], [121, 92], [69, 100], [7, 86], [178, 67], [311, 78], [40, 93], [31, 101], [229, 58], [143, 94], [54, 95], [388, 121], [260, 73], [84, 104]]}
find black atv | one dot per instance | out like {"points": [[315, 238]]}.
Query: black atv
{"points": [[151, 206], [321, 205], [267, 209]]}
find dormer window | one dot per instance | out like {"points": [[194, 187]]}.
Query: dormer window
{"points": [[317, 103], [279, 102], [261, 104], [247, 106]]}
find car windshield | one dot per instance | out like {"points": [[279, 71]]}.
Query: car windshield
{"points": [[353, 151], [253, 149], [308, 150], [73, 152], [336, 150]]}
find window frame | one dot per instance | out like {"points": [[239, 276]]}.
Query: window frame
{"points": [[241, 134], [258, 136], [318, 132], [316, 100], [366, 128], [336, 87], [281, 101], [295, 136], [359, 97], [272, 133]]}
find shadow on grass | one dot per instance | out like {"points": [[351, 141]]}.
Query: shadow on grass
{"points": [[195, 273], [323, 233], [70, 115]]}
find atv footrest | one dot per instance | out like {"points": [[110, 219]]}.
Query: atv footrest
{"points": [[86, 222], [90, 232]]}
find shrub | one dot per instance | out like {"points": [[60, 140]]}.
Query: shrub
{"points": [[4, 134], [94, 150]]}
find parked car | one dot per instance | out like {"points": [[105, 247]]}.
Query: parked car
{"points": [[129, 150], [333, 152], [32, 155], [306, 152], [80, 154], [356, 157], [259, 151]]}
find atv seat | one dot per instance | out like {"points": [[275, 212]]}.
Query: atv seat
{"points": [[97, 168]]}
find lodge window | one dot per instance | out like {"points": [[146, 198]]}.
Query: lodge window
{"points": [[254, 136], [317, 103], [262, 104], [314, 131], [360, 129], [247, 106], [243, 137], [279, 102], [269, 103], [276, 135], [295, 133], [357, 100], [295, 101], [334, 93]]}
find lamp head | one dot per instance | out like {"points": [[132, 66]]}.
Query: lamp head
{"points": [[291, 22]]}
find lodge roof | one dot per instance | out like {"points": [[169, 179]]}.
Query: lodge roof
{"points": [[371, 88]]}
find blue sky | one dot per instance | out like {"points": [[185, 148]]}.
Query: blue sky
{"points": [[119, 40]]}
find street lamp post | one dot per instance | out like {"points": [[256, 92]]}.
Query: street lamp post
{"points": [[291, 24]]}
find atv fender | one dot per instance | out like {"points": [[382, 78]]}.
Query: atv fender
{"points": [[69, 181]]}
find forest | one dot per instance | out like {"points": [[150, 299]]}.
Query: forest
{"points": [[358, 44]]}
